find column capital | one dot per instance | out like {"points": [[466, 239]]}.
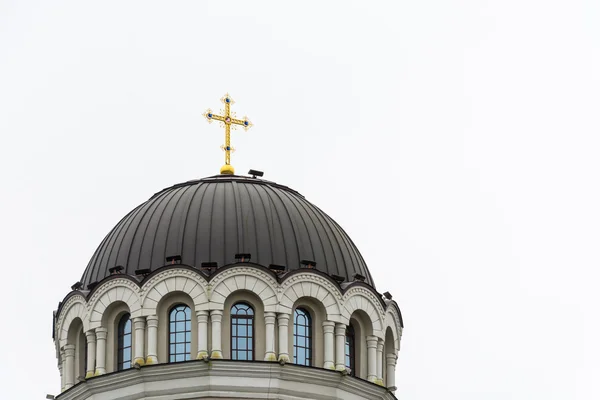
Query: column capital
{"points": [[90, 336], [69, 350], [372, 341], [101, 333], [283, 317], [270, 314], [152, 321], [340, 329], [201, 313], [391, 358], [328, 326], [216, 315], [380, 345]]}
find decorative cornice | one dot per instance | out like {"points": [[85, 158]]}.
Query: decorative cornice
{"points": [[200, 375]]}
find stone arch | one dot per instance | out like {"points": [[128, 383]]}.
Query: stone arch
{"points": [[259, 331], [310, 285], [392, 322], [317, 315], [247, 279], [361, 299], [116, 290], [165, 306], [76, 337], [174, 280], [74, 308]]}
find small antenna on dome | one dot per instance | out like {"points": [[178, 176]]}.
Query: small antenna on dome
{"points": [[209, 265], [278, 269], [243, 257], [173, 259], [143, 271], [116, 270], [255, 173]]}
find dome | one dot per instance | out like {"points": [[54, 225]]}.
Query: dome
{"points": [[215, 218]]}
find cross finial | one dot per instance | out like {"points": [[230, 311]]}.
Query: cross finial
{"points": [[227, 120]]}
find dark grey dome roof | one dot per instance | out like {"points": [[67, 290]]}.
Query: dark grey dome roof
{"points": [[214, 218]]}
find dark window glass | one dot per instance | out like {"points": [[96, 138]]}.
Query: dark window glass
{"points": [[302, 337], [242, 332], [180, 333], [124, 343], [350, 349]]}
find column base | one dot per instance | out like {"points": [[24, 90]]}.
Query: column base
{"points": [[340, 367], [329, 365], [284, 358], [202, 355], [270, 356], [140, 361], [216, 354], [379, 382], [151, 360], [99, 371], [372, 378], [89, 374]]}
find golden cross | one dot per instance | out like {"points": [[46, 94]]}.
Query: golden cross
{"points": [[227, 120]]}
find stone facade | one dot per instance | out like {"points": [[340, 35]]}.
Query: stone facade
{"points": [[85, 337]]}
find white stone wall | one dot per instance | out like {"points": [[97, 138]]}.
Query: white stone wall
{"points": [[222, 379], [94, 317]]}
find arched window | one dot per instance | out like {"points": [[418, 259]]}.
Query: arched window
{"points": [[350, 350], [242, 332], [302, 337], [124, 343], [180, 333]]}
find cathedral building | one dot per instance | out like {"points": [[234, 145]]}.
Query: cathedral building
{"points": [[227, 287]]}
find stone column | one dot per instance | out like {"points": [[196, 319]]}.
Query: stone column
{"points": [[69, 365], [202, 317], [391, 371], [371, 358], [101, 334], [270, 336], [152, 356], [61, 369], [328, 328], [215, 319], [90, 337], [139, 326], [282, 321], [340, 347], [379, 380]]}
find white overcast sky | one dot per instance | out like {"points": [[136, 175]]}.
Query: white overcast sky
{"points": [[457, 142]]}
